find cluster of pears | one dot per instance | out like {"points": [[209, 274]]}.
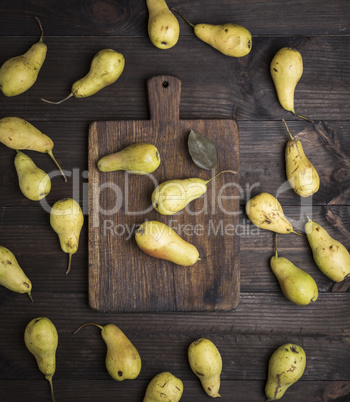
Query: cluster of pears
{"points": [[163, 29]]}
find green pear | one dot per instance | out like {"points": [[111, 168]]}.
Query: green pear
{"points": [[205, 361], [34, 183], [265, 211], [66, 219], [164, 387], [286, 366], [139, 158], [163, 26], [331, 257], [19, 134], [172, 196], [18, 74], [41, 339], [286, 70], [301, 174], [160, 241], [106, 67], [297, 285], [123, 361], [12, 276], [230, 39]]}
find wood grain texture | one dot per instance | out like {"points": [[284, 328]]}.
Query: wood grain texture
{"points": [[121, 277]]}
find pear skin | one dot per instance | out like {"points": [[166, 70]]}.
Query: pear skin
{"points": [[139, 158], [164, 387], [205, 361], [286, 366], [163, 26], [106, 67], [172, 196], [286, 70], [19, 134], [331, 256], [123, 361], [34, 183], [301, 173], [265, 211], [12, 276], [20, 73], [66, 219], [160, 241], [41, 340]]}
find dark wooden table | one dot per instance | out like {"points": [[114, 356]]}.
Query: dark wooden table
{"points": [[213, 86]]}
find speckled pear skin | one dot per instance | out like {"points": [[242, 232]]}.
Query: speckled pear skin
{"points": [[164, 387]]}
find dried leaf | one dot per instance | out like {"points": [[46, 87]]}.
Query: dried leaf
{"points": [[202, 151]]}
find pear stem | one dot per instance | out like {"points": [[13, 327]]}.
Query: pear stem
{"points": [[276, 253], [87, 323], [69, 264], [60, 101], [217, 174], [288, 129], [49, 379], [41, 29], [185, 19], [304, 118], [299, 234], [30, 296], [59, 167]]}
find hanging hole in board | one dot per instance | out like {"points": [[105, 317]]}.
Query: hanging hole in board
{"points": [[165, 84]]}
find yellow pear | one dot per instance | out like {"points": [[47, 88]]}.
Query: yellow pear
{"points": [[160, 241], [18, 74], [163, 26], [106, 67], [297, 285], [66, 219], [34, 183], [265, 211], [41, 339], [164, 387], [286, 366], [286, 70], [172, 196], [301, 174], [19, 134], [205, 361], [331, 256], [123, 361], [139, 158], [12, 276]]}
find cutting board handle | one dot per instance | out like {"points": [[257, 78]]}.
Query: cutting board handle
{"points": [[164, 95]]}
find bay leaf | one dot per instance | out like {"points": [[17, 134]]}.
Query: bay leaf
{"points": [[202, 151]]}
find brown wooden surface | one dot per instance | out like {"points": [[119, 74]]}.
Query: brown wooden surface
{"points": [[213, 87], [121, 276]]}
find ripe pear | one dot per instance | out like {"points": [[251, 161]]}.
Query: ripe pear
{"points": [[66, 219], [286, 366], [172, 196], [18, 74], [34, 183], [205, 361], [41, 339], [331, 256], [266, 212], [123, 361], [163, 26], [19, 134], [297, 285], [301, 174], [286, 70], [230, 39], [160, 241], [164, 387], [12, 275], [106, 67], [139, 158]]}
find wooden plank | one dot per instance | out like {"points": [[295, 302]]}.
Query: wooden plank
{"points": [[239, 88], [114, 263]]}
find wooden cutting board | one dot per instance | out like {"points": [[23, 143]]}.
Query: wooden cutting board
{"points": [[121, 276]]}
